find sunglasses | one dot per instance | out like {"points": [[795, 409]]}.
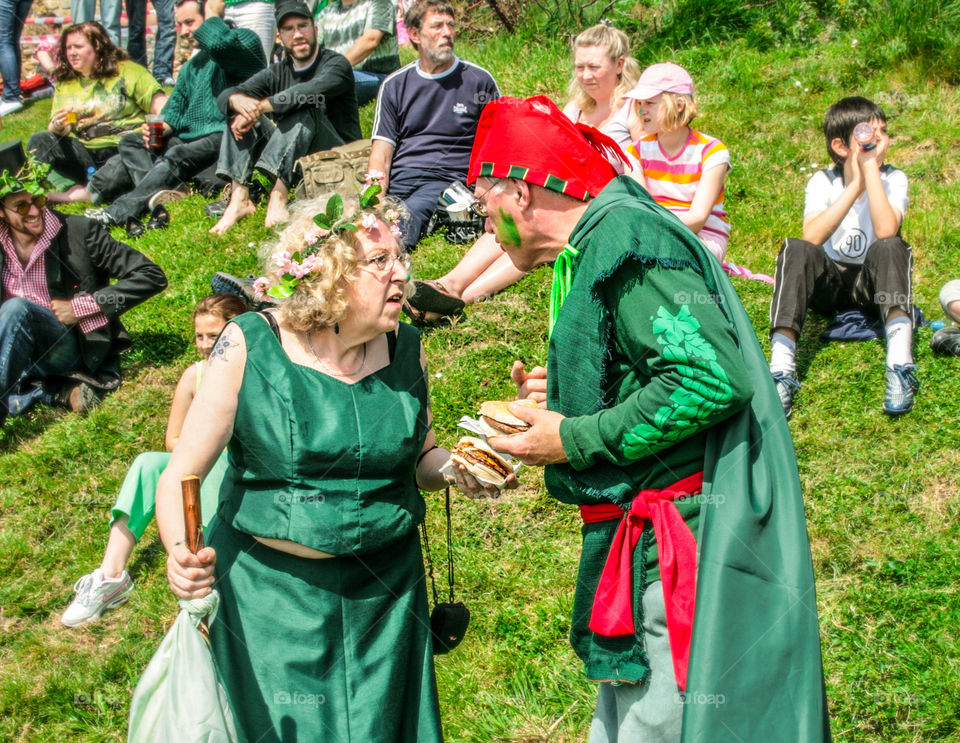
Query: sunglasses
{"points": [[23, 208]]}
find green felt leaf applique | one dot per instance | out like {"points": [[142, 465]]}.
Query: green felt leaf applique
{"points": [[704, 386]]}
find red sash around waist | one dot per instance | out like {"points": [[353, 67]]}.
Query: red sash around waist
{"points": [[613, 604]]}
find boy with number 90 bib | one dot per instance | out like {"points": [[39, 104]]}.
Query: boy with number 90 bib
{"points": [[851, 254]]}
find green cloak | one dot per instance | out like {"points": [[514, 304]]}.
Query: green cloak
{"points": [[755, 673]]}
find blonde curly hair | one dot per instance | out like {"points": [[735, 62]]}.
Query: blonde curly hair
{"points": [[320, 299], [616, 44]]}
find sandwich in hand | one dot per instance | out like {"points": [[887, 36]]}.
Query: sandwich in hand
{"points": [[497, 420], [481, 461]]}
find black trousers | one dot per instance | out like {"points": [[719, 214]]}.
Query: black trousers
{"points": [[807, 278], [146, 173], [71, 158]]}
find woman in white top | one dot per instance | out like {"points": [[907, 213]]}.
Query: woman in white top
{"points": [[603, 73]]}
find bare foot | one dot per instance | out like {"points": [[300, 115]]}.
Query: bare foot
{"points": [[236, 210], [277, 211], [76, 192]]}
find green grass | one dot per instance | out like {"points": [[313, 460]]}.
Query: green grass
{"points": [[881, 494]]}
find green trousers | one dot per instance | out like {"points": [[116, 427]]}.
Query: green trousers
{"points": [[137, 499]]}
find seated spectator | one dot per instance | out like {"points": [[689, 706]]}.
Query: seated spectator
{"points": [[47, 56], [310, 94], [193, 125], [365, 32], [603, 72], [423, 130], [59, 316], [851, 255], [100, 95], [110, 585], [683, 169], [946, 341]]}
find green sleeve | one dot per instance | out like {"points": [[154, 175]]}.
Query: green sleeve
{"points": [[142, 85], [679, 369], [176, 105], [236, 50], [381, 17], [56, 103]]}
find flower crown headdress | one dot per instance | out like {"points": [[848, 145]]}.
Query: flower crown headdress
{"points": [[292, 268]]}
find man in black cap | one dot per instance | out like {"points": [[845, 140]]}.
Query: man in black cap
{"points": [[193, 125], [311, 97], [58, 310]]}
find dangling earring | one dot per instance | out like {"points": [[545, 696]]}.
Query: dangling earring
{"points": [[336, 328]]}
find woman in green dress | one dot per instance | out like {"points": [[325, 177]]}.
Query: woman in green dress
{"points": [[323, 631]]}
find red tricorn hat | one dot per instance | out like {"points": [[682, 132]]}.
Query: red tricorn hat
{"points": [[532, 140]]}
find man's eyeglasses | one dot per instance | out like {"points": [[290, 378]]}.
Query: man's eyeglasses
{"points": [[23, 208], [479, 206], [383, 263]]}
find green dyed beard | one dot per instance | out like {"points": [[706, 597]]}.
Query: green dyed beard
{"points": [[507, 232]]}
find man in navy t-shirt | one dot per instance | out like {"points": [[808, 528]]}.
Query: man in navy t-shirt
{"points": [[427, 115]]}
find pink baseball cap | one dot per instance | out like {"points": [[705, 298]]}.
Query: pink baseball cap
{"points": [[663, 77]]}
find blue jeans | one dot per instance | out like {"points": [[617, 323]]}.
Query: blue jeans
{"points": [[366, 84], [419, 191], [85, 10], [274, 147], [12, 15], [34, 344], [166, 36]]}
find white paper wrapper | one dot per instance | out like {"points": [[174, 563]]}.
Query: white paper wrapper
{"points": [[473, 426]]}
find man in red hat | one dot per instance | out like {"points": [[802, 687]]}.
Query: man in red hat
{"points": [[694, 602]]}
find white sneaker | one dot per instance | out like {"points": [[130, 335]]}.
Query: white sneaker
{"points": [[95, 595], [10, 107]]}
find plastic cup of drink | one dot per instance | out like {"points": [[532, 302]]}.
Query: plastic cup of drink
{"points": [[155, 129], [865, 135]]}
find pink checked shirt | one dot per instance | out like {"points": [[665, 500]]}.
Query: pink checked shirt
{"points": [[30, 281]]}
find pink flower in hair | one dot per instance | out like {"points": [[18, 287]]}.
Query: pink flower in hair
{"points": [[392, 215], [260, 288], [311, 264], [395, 230], [368, 221]]}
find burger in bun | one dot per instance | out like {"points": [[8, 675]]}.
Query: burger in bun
{"points": [[481, 461], [497, 420]]}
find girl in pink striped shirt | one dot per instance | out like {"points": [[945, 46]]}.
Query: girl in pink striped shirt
{"points": [[683, 169]]}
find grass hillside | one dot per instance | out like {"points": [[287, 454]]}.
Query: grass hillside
{"points": [[881, 494]]}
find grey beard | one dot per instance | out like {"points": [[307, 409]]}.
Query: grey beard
{"points": [[440, 57]]}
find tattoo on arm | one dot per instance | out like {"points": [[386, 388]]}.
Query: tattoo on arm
{"points": [[224, 347]]}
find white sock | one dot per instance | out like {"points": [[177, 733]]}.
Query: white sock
{"points": [[899, 340], [783, 354]]}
